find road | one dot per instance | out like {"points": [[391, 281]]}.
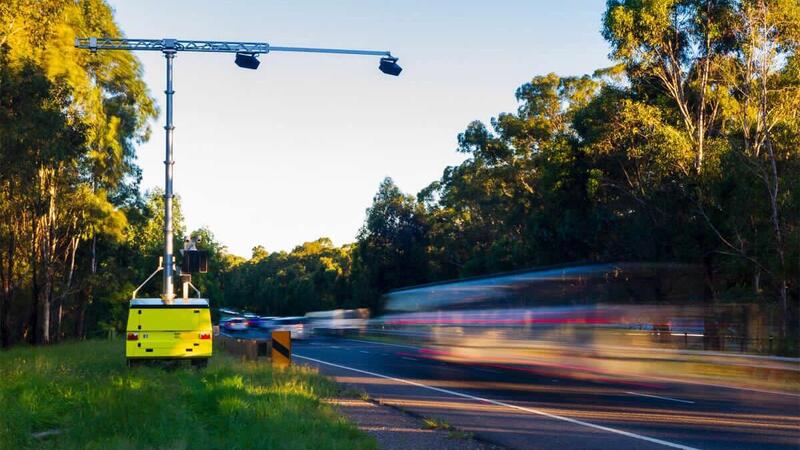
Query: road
{"points": [[525, 410]]}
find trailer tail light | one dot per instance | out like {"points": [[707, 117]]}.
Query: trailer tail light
{"points": [[133, 336], [205, 335]]}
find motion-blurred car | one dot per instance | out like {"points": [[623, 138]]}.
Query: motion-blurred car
{"points": [[337, 322], [265, 323], [295, 325], [235, 324]]}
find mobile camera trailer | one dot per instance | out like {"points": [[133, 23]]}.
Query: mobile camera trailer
{"points": [[163, 328]]}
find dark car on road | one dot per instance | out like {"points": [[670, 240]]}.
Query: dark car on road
{"points": [[235, 324]]}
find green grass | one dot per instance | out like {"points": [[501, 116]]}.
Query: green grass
{"points": [[84, 393], [432, 423]]}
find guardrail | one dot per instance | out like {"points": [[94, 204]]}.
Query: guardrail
{"points": [[697, 343], [277, 349], [671, 361]]}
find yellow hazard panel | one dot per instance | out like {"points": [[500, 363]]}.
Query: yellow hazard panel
{"points": [[150, 347], [169, 319], [281, 348], [156, 330]]}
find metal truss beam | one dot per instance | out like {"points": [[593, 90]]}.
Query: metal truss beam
{"points": [[176, 45]]}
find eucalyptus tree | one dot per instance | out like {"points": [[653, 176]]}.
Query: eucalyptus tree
{"points": [[71, 152], [680, 45], [723, 73], [392, 245], [518, 198]]}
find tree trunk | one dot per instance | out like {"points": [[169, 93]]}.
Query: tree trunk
{"points": [[33, 326], [80, 320], [45, 238], [8, 251], [5, 299], [43, 310], [773, 188], [59, 306], [6, 287], [86, 295]]}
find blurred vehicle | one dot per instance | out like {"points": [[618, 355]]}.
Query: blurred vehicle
{"points": [[621, 320], [295, 325], [235, 324], [265, 323], [250, 318], [337, 322]]}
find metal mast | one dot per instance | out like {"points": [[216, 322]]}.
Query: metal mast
{"points": [[169, 47]]}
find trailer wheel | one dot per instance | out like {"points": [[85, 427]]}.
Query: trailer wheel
{"points": [[200, 363]]}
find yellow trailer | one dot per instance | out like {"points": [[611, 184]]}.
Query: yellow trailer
{"points": [[181, 330]]}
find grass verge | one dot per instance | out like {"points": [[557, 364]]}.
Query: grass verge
{"points": [[81, 396], [432, 423]]}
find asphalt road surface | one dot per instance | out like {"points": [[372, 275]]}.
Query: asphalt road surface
{"points": [[526, 410]]}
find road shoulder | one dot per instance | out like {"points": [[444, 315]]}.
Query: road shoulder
{"points": [[397, 430]]}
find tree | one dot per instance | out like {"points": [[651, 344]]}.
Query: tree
{"points": [[71, 122], [519, 198], [391, 249], [679, 44], [764, 86], [727, 78], [313, 276]]}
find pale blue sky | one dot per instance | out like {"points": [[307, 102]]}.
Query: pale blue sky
{"points": [[296, 150]]}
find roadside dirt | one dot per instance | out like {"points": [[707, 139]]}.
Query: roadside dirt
{"points": [[397, 430]]}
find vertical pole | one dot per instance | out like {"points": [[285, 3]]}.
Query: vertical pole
{"points": [[168, 293]]}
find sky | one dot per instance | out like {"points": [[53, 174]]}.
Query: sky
{"points": [[296, 150]]}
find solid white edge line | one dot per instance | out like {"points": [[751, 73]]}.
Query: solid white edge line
{"points": [[507, 405], [658, 396]]}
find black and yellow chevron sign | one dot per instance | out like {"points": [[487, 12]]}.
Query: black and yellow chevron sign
{"points": [[281, 348]]}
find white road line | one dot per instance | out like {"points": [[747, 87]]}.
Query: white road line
{"points": [[662, 398], [363, 351], [508, 405]]}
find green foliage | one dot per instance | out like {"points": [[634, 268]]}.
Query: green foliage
{"points": [[69, 121], [684, 150], [314, 276], [145, 237], [391, 249], [84, 393]]}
